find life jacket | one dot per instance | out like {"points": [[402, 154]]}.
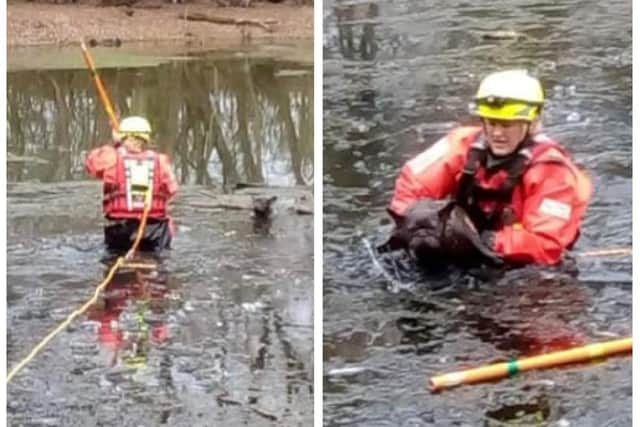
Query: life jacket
{"points": [[490, 206], [124, 193]]}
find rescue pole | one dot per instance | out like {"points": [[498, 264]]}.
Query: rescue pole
{"points": [[502, 370], [607, 252], [106, 102], [102, 92]]}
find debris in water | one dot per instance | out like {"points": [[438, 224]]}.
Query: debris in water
{"points": [[504, 35], [337, 372]]}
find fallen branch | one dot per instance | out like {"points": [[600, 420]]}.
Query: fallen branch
{"points": [[220, 20], [220, 206], [223, 399], [303, 211], [264, 414]]}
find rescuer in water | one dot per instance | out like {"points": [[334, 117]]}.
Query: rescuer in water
{"points": [[131, 172], [521, 190]]}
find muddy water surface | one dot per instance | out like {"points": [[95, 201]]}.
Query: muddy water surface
{"points": [[397, 75], [219, 332]]}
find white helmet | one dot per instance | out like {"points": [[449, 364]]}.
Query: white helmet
{"points": [[509, 95], [135, 126]]}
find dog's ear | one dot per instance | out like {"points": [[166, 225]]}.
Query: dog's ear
{"points": [[273, 199]]}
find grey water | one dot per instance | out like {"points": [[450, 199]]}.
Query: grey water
{"points": [[220, 332]]}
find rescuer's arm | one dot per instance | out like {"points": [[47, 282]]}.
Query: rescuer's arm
{"points": [[432, 174], [100, 159], [168, 177], [551, 218]]}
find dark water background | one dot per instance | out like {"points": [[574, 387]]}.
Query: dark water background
{"points": [[221, 332], [397, 71]]}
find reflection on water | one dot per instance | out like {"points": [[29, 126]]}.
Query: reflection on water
{"points": [[347, 14], [396, 77], [219, 332], [221, 120], [131, 312]]}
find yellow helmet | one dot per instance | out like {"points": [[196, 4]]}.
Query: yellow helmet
{"points": [[509, 95], [135, 126]]}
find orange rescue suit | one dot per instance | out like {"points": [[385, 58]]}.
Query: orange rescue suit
{"points": [[108, 163], [547, 204]]}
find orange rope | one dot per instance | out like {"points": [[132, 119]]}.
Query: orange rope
{"points": [[88, 304], [102, 92], [143, 224], [140, 265]]}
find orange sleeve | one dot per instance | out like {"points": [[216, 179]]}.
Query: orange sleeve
{"points": [[168, 177], [432, 174], [553, 209], [100, 159]]}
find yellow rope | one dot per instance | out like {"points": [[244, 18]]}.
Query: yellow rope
{"points": [[88, 304], [143, 223], [140, 265], [67, 321], [147, 206]]}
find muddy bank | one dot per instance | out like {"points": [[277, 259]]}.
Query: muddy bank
{"points": [[30, 24]]}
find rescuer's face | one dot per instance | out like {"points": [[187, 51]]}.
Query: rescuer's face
{"points": [[504, 136]]}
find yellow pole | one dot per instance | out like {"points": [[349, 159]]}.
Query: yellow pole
{"points": [[501, 370], [608, 252], [102, 92]]}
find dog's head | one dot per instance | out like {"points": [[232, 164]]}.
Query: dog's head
{"points": [[262, 206], [418, 228]]}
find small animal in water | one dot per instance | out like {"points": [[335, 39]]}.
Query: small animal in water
{"points": [[262, 213], [435, 235]]}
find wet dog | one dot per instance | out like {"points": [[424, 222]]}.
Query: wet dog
{"points": [[435, 236], [262, 213]]}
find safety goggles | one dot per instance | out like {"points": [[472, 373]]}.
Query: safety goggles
{"points": [[506, 109]]}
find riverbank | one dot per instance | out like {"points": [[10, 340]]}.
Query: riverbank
{"points": [[32, 24]]}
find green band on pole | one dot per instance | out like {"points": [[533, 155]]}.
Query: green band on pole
{"points": [[512, 368]]}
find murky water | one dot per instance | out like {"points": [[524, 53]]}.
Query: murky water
{"points": [[220, 331], [398, 72]]}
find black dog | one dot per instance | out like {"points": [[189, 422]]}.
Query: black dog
{"points": [[262, 212], [435, 236]]}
